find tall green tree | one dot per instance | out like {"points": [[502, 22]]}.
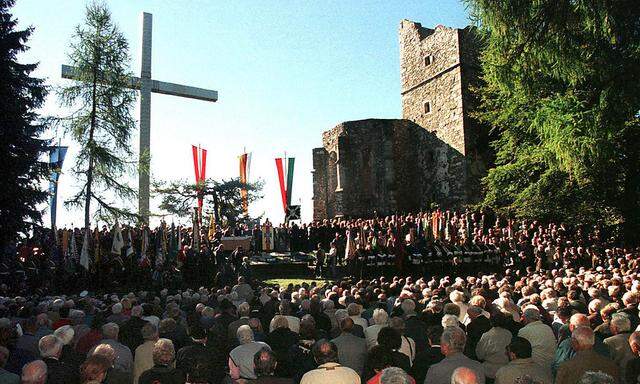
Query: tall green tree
{"points": [[180, 197], [563, 91], [21, 147], [101, 122]]}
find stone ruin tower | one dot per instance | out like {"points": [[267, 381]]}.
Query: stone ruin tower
{"points": [[436, 153]]}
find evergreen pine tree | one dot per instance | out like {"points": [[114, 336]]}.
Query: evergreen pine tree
{"points": [[21, 147]]}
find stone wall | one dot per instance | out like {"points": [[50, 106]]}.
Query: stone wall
{"points": [[388, 166]]}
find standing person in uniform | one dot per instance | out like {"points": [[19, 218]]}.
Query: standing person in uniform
{"points": [[320, 257]]}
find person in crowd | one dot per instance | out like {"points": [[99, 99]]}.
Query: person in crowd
{"points": [[143, 359], [452, 345], [34, 372], [124, 357], [325, 354], [6, 377], [540, 335], [380, 320], [585, 359], [430, 356], [241, 357], [464, 375], [521, 365], [131, 330], [281, 339], [264, 366], [113, 376], [94, 370], [491, 347], [618, 344], [162, 371], [352, 350], [57, 371]]}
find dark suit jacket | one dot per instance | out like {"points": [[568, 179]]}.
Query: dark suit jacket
{"points": [[131, 333], [59, 372], [475, 329], [417, 330], [572, 370], [423, 361]]}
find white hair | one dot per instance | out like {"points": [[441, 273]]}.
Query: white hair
{"points": [[591, 377], [380, 316], [116, 308], [110, 331], [394, 375], [244, 334], [449, 321], [65, 334], [408, 306], [454, 337], [49, 346], [464, 375], [456, 296], [621, 322]]}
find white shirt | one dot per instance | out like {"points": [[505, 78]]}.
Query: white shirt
{"points": [[333, 373]]}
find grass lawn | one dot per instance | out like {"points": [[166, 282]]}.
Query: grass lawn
{"points": [[285, 282]]}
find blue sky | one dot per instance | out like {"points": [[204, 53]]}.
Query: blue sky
{"points": [[285, 71]]}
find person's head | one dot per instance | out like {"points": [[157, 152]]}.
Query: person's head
{"points": [[353, 309], [106, 351], [578, 320], [634, 342], [473, 312], [94, 369], [408, 307], [50, 346], [380, 316], [582, 338], [519, 348], [34, 372], [65, 334], [244, 334], [110, 331], [149, 332], [116, 308], [137, 311], [244, 310], [464, 375], [280, 321], [619, 323], [163, 352], [452, 341], [389, 338], [346, 325], [394, 375], [530, 314], [264, 362], [379, 358], [591, 377], [324, 351], [434, 334]]}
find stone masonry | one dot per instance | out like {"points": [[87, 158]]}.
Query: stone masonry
{"points": [[435, 154]]}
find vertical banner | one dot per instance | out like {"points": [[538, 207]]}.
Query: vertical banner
{"points": [[244, 165], [283, 191], [56, 159], [199, 168], [292, 162]]}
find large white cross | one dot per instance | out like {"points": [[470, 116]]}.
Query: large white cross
{"points": [[146, 85]]}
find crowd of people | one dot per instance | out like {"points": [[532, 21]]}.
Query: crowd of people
{"points": [[463, 302], [442, 242]]}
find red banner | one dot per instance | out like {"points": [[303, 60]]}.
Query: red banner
{"points": [[283, 190]]}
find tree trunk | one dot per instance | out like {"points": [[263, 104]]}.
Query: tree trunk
{"points": [[87, 201]]}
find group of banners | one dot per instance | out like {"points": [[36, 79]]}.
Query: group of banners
{"points": [[284, 167]]}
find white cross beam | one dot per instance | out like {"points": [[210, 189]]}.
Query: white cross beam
{"points": [[146, 86]]}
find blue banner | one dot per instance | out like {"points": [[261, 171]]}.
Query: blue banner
{"points": [[56, 158]]}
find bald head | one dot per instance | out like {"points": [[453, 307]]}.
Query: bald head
{"points": [[34, 373], [578, 320], [634, 342], [464, 375]]}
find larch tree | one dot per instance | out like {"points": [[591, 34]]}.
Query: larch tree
{"points": [[562, 90], [101, 122]]}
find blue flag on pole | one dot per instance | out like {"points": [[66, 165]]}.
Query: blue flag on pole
{"points": [[56, 158]]}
